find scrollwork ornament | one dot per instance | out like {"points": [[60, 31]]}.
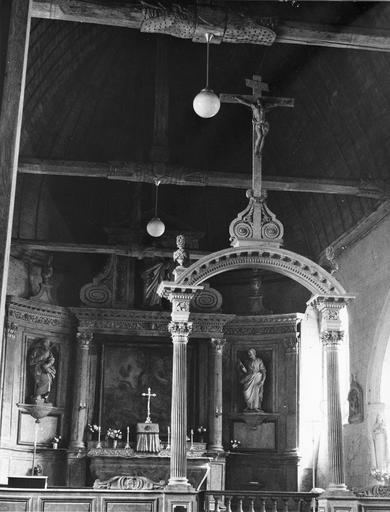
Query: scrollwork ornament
{"points": [[331, 314], [332, 338], [84, 338], [180, 331]]}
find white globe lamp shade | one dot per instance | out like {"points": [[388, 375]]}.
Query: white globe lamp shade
{"points": [[206, 103], [155, 227]]}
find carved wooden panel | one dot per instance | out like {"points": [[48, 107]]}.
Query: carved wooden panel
{"points": [[67, 506]]}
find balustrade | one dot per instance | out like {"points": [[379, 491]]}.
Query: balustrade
{"points": [[259, 501]]}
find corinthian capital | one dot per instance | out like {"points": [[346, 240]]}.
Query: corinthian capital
{"points": [[180, 331], [84, 338], [332, 338], [218, 344]]}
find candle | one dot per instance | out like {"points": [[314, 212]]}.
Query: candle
{"points": [[127, 437], [169, 438], [99, 444], [192, 437]]}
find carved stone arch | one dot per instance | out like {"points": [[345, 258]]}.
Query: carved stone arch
{"points": [[297, 267]]}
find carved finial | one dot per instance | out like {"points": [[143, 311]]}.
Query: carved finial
{"points": [[180, 254]]}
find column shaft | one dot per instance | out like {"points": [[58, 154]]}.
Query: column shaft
{"points": [[178, 470], [215, 426], [79, 409], [335, 435]]}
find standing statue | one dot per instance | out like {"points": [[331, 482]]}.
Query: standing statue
{"points": [[252, 379], [41, 364]]}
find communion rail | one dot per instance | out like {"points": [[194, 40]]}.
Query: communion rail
{"points": [[259, 501]]}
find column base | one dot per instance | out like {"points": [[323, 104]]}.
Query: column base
{"points": [[178, 485], [335, 490], [215, 448], [77, 445]]}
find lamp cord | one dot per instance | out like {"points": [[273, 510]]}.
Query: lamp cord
{"points": [[208, 39], [157, 183]]}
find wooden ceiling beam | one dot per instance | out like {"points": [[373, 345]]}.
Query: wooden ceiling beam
{"points": [[170, 174], [132, 251], [132, 16]]}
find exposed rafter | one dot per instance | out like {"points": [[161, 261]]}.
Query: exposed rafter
{"points": [[134, 251], [212, 20], [170, 174]]}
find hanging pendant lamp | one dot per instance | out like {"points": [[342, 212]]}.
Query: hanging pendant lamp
{"points": [[155, 226], [206, 103]]}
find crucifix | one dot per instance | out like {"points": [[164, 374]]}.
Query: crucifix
{"points": [[259, 106], [149, 395]]}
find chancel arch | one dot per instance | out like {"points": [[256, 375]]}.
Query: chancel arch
{"points": [[309, 274]]}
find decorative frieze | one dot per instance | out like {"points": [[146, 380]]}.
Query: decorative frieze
{"points": [[37, 314]]}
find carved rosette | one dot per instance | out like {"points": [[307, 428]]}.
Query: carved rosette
{"points": [[180, 331], [218, 344], [256, 224], [331, 339], [84, 338]]}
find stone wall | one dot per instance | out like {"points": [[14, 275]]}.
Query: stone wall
{"points": [[365, 272]]}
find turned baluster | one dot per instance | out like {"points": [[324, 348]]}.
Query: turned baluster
{"points": [[228, 504], [240, 509], [275, 507], [263, 509], [252, 505], [285, 508]]}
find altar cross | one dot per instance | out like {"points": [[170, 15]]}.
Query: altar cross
{"points": [[149, 394], [259, 105]]}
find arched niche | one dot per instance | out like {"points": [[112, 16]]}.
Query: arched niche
{"points": [[297, 267]]}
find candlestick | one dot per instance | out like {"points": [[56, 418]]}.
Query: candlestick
{"points": [[99, 444], [127, 438]]}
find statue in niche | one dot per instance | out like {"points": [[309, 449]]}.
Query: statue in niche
{"points": [[41, 363], [355, 399], [252, 377]]}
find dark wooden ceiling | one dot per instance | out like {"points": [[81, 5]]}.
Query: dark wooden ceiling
{"points": [[90, 96]]}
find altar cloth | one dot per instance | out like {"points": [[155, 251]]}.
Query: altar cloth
{"points": [[148, 438]]}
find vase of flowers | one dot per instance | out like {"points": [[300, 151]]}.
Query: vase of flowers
{"points": [[55, 441], [234, 444], [115, 435], [201, 431]]}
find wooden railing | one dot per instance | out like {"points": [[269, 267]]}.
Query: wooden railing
{"points": [[259, 501]]}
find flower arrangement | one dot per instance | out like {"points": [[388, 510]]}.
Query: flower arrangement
{"points": [[234, 444], [56, 439], [201, 429], [92, 428], [113, 433], [382, 476]]}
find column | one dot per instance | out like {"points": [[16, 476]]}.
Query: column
{"points": [[291, 343], [14, 37], [215, 441], [180, 332], [331, 337], [80, 394]]}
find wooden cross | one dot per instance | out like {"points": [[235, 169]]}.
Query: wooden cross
{"points": [[259, 105], [149, 395]]}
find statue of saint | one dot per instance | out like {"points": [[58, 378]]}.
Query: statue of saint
{"points": [[41, 364], [252, 379]]}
